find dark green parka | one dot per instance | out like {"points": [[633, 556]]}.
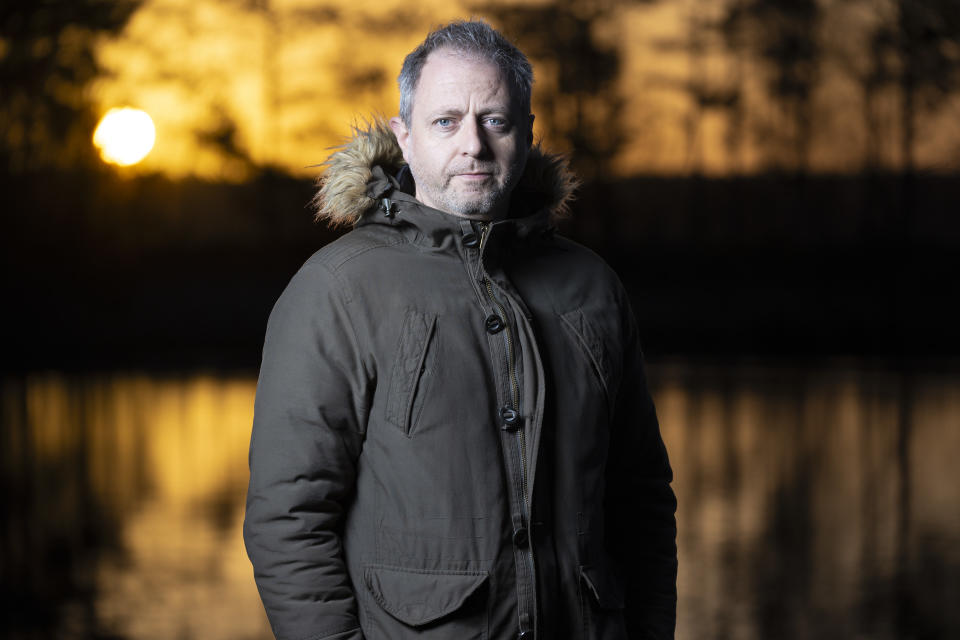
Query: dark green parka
{"points": [[453, 437]]}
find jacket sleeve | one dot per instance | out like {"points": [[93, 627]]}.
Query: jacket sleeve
{"points": [[641, 527], [309, 417]]}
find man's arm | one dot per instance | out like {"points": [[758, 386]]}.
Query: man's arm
{"points": [[307, 433], [641, 506]]}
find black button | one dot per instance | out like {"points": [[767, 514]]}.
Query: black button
{"points": [[510, 418], [471, 240], [494, 323], [520, 537]]}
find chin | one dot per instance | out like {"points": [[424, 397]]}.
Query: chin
{"points": [[475, 207], [477, 202]]}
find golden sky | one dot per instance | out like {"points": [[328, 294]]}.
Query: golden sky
{"points": [[231, 84]]}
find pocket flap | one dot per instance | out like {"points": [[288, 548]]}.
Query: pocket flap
{"points": [[408, 367], [415, 596], [604, 586]]}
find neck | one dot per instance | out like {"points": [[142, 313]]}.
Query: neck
{"points": [[497, 213], [479, 217]]}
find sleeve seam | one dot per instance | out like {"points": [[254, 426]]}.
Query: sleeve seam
{"points": [[344, 294]]}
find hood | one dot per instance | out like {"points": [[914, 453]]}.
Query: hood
{"points": [[343, 197]]}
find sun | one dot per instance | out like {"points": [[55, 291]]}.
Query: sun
{"points": [[124, 136]]}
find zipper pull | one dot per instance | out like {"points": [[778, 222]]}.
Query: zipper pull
{"points": [[484, 228]]}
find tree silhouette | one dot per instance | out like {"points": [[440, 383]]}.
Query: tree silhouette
{"points": [[46, 62], [910, 70], [709, 91], [783, 34], [577, 87], [919, 50]]}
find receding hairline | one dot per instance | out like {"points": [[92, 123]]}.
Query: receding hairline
{"points": [[470, 39], [468, 54]]}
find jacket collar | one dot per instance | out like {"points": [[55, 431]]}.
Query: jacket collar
{"points": [[367, 182]]}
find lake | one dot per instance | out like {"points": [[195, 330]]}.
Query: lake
{"points": [[815, 500]]}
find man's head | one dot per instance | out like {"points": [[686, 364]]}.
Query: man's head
{"points": [[465, 126]]}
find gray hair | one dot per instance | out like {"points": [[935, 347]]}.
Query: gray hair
{"points": [[473, 38]]}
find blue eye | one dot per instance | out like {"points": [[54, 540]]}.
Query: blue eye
{"points": [[443, 123], [496, 123]]}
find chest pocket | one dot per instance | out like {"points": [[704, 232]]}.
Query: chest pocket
{"points": [[594, 343], [414, 367]]}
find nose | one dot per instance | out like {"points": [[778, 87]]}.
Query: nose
{"points": [[472, 140]]}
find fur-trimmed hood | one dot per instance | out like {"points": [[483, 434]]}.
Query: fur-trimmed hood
{"points": [[343, 197]]}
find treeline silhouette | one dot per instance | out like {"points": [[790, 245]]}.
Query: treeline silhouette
{"points": [[102, 267], [775, 73], [154, 271], [47, 63]]}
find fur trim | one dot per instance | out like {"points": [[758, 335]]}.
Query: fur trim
{"points": [[549, 176], [342, 197]]}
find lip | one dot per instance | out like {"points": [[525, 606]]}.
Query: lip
{"points": [[474, 176]]}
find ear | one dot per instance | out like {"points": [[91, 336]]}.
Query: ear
{"points": [[530, 131], [401, 133]]}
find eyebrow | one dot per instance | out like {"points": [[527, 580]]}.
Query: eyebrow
{"points": [[457, 111]]}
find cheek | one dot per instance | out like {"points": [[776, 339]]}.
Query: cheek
{"points": [[409, 151], [436, 156], [518, 155]]}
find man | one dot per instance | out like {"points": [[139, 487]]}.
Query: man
{"points": [[453, 437]]}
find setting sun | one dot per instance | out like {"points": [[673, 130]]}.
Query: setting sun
{"points": [[124, 136]]}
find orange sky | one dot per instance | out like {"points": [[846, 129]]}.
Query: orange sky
{"points": [[269, 85]]}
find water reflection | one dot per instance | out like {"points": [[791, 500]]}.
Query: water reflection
{"points": [[813, 502], [125, 502]]}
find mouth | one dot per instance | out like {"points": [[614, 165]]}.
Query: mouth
{"points": [[471, 176]]}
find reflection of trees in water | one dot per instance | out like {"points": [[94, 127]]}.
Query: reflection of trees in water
{"points": [[122, 496], [120, 493], [55, 524], [803, 512]]}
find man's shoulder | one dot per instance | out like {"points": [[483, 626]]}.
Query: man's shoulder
{"points": [[352, 245], [341, 263], [580, 261]]}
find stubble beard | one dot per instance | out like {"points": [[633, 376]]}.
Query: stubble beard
{"points": [[483, 201]]}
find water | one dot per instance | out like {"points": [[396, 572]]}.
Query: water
{"points": [[814, 502], [126, 500]]}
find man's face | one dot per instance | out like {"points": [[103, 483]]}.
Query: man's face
{"points": [[468, 138]]}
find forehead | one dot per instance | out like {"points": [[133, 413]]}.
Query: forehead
{"points": [[453, 77]]}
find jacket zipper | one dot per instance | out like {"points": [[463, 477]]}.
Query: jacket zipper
{"points": [[511, 369], [515, 398], [514, 386]]}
